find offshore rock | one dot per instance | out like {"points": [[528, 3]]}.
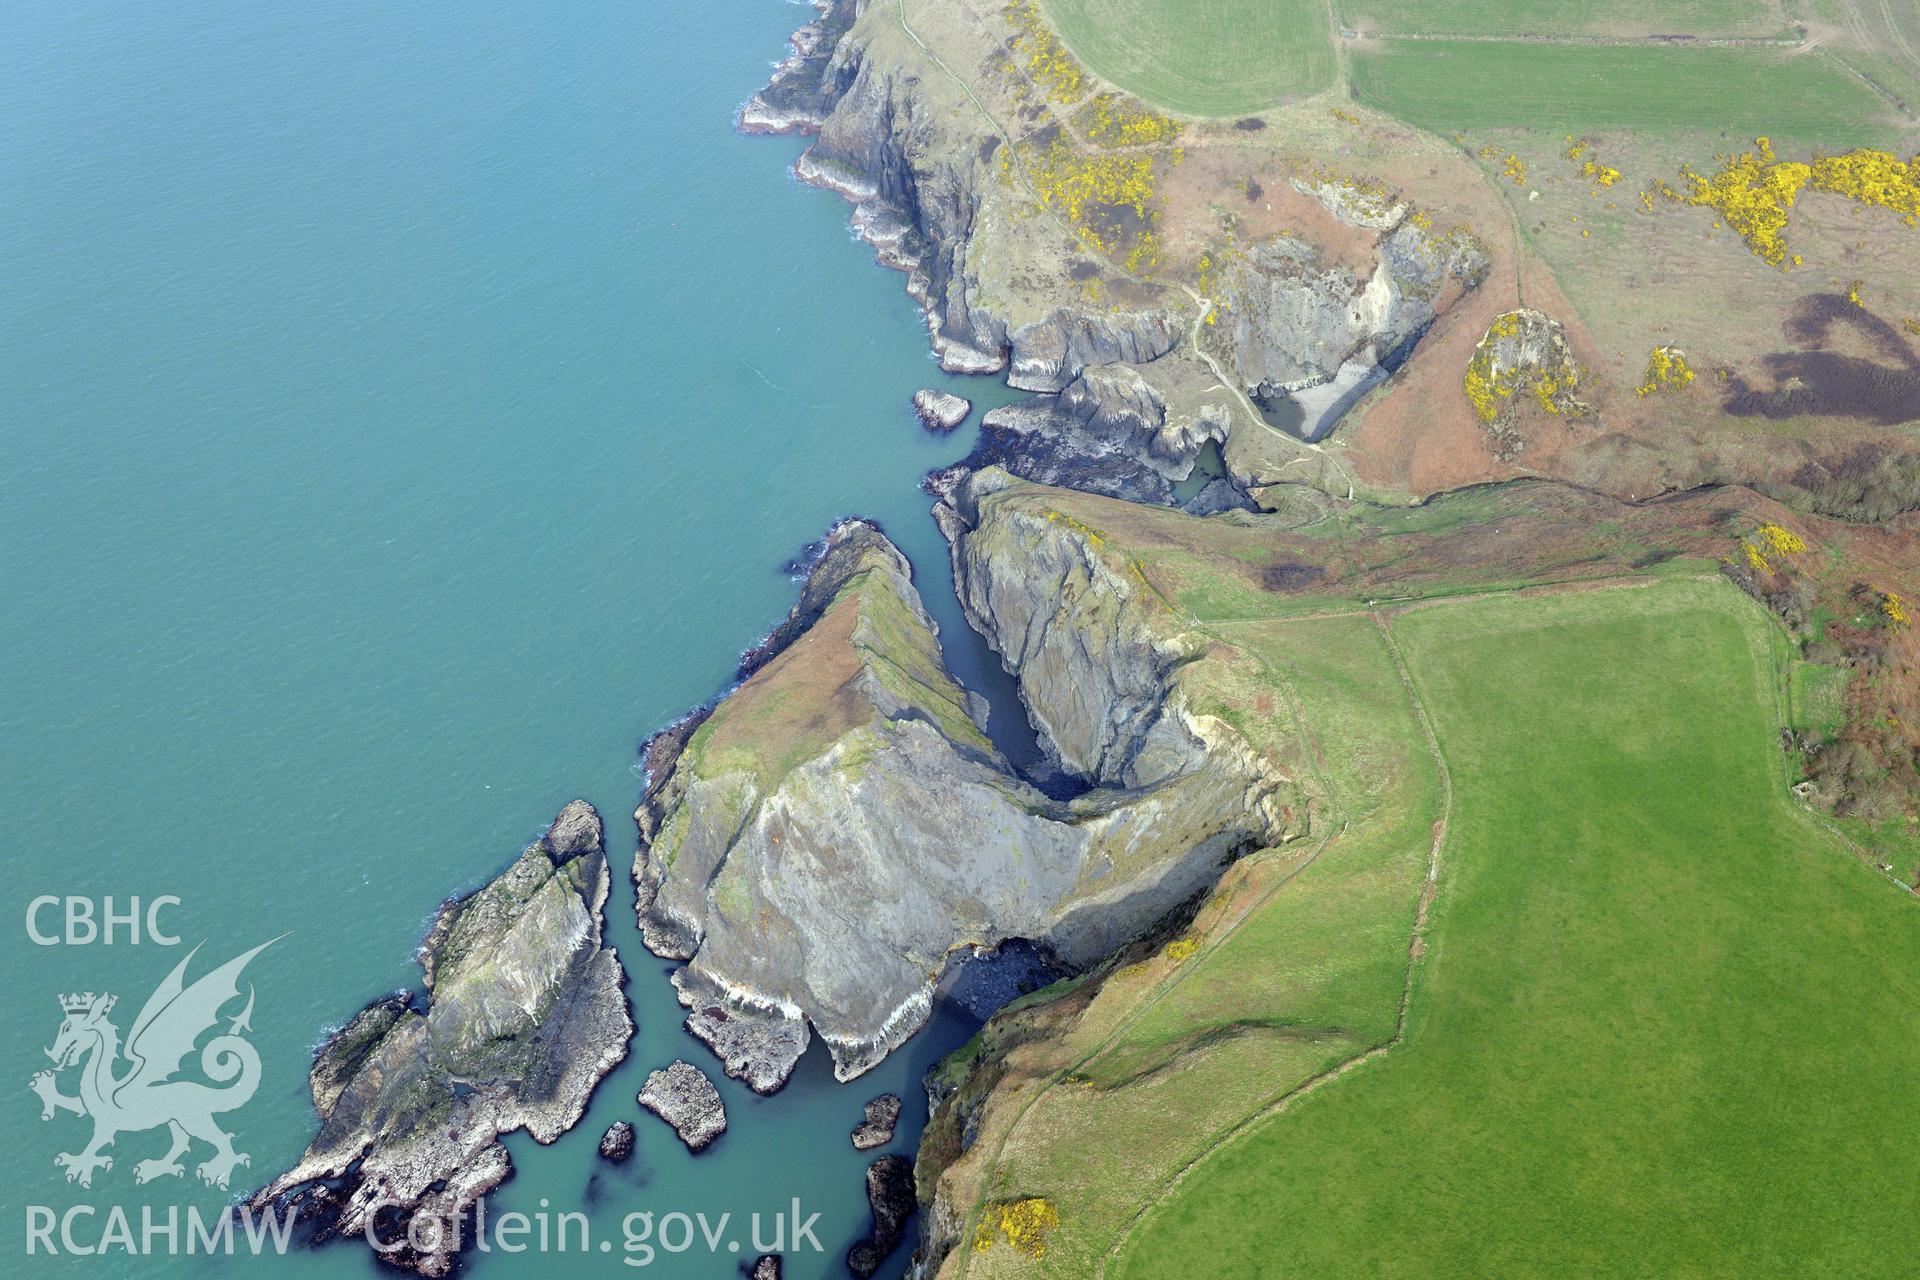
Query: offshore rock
{"points": [[890, 1195], [616, 1144], [940, 411], [681, 1094], [876, 1127], [764, 1267], [840, 826], [523, 1015]]}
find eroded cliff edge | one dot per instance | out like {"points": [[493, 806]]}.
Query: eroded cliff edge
{"points": [[838, 828], [1044, 242], [522, 1015]]}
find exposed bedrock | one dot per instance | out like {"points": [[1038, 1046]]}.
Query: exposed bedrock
{"points": [[1109, 432], [680, 1094], [940, 411], [890, 1197], [876, 1123], [522, 1016], [840, 826], [1299, 324], [616, 1144]]}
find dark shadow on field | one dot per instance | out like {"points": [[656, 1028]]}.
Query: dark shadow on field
{"points": [[1813, 380]]}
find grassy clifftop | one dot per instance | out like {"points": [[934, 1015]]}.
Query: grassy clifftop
{"points": [[1556, 702]]}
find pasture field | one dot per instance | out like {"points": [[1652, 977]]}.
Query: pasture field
{"points": [[1202, 57], [1627, 18], [1297, 962], [1452, 86], [1664, 1025]]}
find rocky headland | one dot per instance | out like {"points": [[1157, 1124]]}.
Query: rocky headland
{"points": [[522, 1014], [1133, 371], [840, 827]]}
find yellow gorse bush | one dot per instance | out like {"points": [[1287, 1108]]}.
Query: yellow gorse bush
{"points": [[1489, 388], [1073, 183], [1755, 191], [1182, 949], [1023, 1224], [1895, 608], [1667, 370], [1781, 540], [1045, 58], [1114, 120]]}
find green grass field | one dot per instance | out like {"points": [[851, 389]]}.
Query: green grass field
{"points": [[1449, 86], [1202, 57], [1566, 17], [1665, 1024]]}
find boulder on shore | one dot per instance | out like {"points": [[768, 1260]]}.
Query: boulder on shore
{"points": [[682, 1095], [940, 411], [876, 1128], [891, 1197]]}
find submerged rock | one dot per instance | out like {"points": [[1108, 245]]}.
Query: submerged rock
{"points": [[616, 1144], [522, 1016], [940, 411], [681, 1094], [876, 1127], [891, 1197]]}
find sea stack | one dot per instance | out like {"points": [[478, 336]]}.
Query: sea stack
{"points": [[939, 411], [876, 1127], [682, 1095]]}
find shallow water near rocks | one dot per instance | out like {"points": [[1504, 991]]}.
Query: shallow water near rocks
{"points": [[404, 409]]}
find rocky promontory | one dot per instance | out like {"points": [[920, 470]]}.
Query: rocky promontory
{"points": [[521, 1015], [851, 768], [681, 1094]]}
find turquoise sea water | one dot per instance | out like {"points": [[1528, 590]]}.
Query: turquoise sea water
{"points": [[405, 408]]}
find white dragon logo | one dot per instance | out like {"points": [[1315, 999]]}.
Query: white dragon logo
{"points": [[144, 1095]]}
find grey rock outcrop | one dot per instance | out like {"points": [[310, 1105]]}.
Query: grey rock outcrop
{"points": [[616, 1144], [1109, 432], [890, 1196], [681, 1094], [940, 411], [764, 1267], [876, 1125], [1297, 323], [840, 826], [1524, 359], [522, 1016]]}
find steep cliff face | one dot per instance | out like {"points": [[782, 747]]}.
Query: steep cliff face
{"points": [[523, 1015], [840, 827], [972, 180], [923, 168]]}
